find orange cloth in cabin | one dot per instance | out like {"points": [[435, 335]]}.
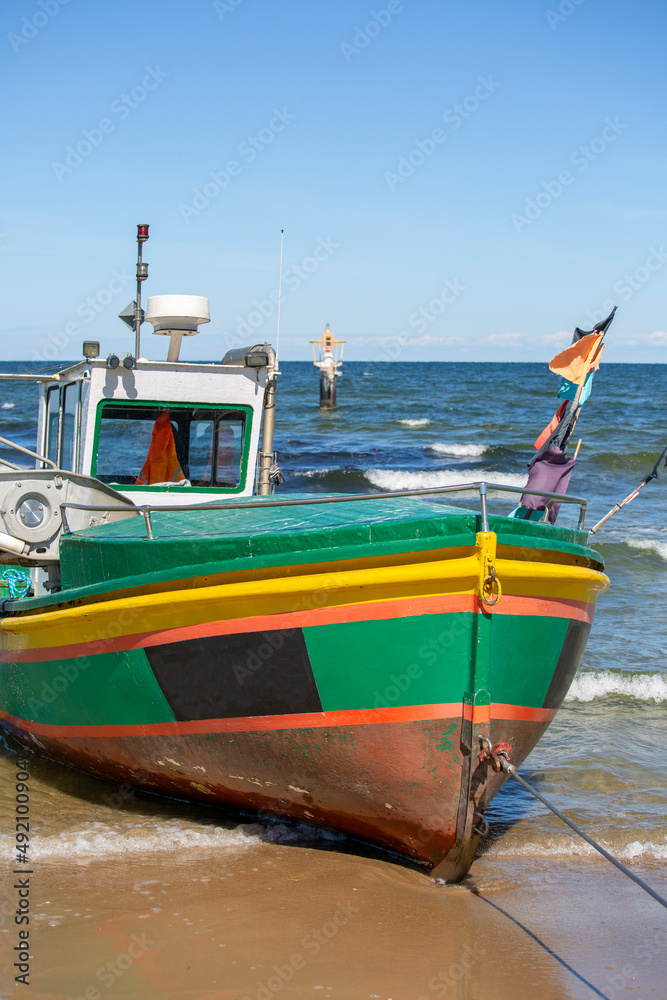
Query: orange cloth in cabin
{"points": [[575, 362], [161, 465]]}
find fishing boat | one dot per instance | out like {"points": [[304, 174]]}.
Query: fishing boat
{"points": [[357, 662]]}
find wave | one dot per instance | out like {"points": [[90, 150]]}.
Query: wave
{"points": [[8, 406], [651, 545], [414, 422], [100, 840], [391, 479], [458, 450], [564, 847], [591, 684], [96, 840], [315, 473]]}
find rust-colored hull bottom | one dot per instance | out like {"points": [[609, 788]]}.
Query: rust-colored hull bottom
{"points": [[408, 787]]}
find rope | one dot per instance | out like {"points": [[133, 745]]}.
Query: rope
{"points": [[513, 773]]}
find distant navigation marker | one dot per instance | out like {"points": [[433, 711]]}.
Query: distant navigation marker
{"points": [[329, 358]]}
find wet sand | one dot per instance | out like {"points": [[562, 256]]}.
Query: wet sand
{"points": [[285, 921]]}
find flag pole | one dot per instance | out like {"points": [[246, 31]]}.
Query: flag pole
{"points": [[576, 405], [656, 472]]}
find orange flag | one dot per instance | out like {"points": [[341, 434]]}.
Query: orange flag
{"points": [[575, 362]]}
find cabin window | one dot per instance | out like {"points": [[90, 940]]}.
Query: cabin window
{"points": [[154, 445], [61, 425], [68, 442], [52, 416]]}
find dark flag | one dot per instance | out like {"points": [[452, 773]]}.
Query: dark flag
{"points": [[598, 328], [659, 467]]}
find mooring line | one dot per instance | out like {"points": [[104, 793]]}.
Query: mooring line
{"points": [[513, 773]]}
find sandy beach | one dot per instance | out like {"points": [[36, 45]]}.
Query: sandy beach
{"points": [[288, 921]]}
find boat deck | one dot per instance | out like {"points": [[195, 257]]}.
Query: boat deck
{"points": [[192, 544]]}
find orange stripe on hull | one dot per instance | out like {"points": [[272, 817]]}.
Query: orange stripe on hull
{"points": [[313, 720], [373, 611]]}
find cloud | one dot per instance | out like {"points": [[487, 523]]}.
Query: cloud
{"points": [[560, 339], [421, 341], [656, 339], [405, 341], [504, 339]]}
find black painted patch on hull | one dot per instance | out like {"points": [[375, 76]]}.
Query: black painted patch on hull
{"points": [[576, 638], [236, 676]]}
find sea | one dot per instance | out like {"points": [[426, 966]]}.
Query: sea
{"points": [[603, 760]]}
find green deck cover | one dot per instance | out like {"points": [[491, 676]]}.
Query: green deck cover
{"points": [[191, 544]]}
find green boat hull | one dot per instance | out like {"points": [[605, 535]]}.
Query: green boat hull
{"points": [[343, 670]]}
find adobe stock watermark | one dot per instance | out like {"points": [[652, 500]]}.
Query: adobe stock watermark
{"points": [[32, 25], [565, 9], [224, 7], [454, 118], [581, 158], [273, 641], [87, 310], [68, 671], [429, 653], [293, 278], [111, 971], [312, 943], [247, 151], [421, 319], [451, 978], [120, 109], [650, 948], [363, 36], [631, 283]]}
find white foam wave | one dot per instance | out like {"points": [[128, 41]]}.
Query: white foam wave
{"points": [[651, 545], [415, 422], [97, 840], [563, 847], [458, 450], [392, 479], [315, 473], [592, 684], [8, 406]]}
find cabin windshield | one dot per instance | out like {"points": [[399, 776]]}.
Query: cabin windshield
{"points": [[170, 444]]}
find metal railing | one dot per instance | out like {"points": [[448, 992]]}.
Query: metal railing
{"points": [[25, 451], [145, 510]]}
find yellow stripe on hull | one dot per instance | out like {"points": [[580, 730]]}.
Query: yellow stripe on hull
{"points": [[148, 612]]}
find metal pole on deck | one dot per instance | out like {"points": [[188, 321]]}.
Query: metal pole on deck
{"points": [[268, 427], [142, 274], [266, 453]]}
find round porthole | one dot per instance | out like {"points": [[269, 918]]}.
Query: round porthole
{"points": [[29, 515]]}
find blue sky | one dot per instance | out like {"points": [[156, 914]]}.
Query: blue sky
{"points": [[456, 181]]}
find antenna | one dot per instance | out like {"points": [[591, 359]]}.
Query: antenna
{"points": [[280, 293]]}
